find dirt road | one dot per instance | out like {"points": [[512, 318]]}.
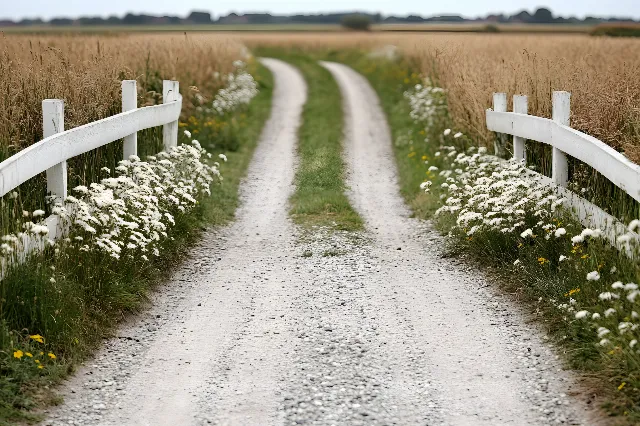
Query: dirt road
{"points": [[269, 325]]}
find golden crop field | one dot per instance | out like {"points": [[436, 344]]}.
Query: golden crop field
{"points": [[86, 70], [601, 73]]}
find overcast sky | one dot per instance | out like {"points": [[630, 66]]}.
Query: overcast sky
{"points": [[470, 8]]}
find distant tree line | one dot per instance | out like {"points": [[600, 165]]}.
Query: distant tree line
{"points": [[540, 16]]}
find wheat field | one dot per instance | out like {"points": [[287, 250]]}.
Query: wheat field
{"points": [[85, 71], [602, 74]]}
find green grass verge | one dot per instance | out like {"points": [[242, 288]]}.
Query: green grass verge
{"points": [[319, 197], [609, 373], [74, 317]]}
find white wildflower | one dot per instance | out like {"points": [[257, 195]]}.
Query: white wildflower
{"points": [[527, 233], [560, 232], [593, 276], [581, 314]]}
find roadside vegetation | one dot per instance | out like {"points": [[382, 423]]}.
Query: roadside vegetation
{"points": [[57, 306], [319, 197], [579, 288]]}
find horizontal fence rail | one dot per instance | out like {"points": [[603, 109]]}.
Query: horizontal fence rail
{"points": [[567, 142], [614, 166], [51, 153]]}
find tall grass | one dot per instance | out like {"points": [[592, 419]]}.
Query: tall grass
{"points": [[85, 71]]}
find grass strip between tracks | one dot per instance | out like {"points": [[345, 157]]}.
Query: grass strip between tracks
{"points": [[319, 197]]}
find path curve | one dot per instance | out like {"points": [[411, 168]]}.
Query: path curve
{"points": [[487, 365]]}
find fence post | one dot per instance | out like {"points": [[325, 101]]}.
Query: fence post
{"points": [[520, 106], [129, 102], [52, 123], [499, 105], [170, 91], [561, 114]]}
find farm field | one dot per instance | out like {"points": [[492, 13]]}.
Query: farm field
{"points": [[346, 234], [314, 28]]}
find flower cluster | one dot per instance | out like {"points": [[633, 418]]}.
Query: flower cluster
{"points": [[131, 212], [241, 88], [486, 193], [425, 101], [483, 193]]}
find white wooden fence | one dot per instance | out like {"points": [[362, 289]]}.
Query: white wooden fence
{"points": [[51, 153], [567, 142]]}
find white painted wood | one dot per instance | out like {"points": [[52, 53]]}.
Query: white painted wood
{"points": [[53, 123], [129, 103], [520, 106], [561, 114], [590, 215], [499, 105], [170, 93], [58, 148], [606, 160]]}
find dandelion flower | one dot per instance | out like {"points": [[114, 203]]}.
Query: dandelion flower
{"points": [[37, 338], [187, 134], [595, 316], [18, 354], [51, 355], [447, 132]]}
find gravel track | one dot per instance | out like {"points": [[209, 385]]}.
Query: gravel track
{"points": [[267, 324]]}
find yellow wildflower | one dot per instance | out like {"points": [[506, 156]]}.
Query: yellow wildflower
{"points": [[51, 355], [542, 260], [572, 292], [584, 256], [37, 361], [18, 354], [28, 354], [622, 385], [40, 367], [37, 338]]}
